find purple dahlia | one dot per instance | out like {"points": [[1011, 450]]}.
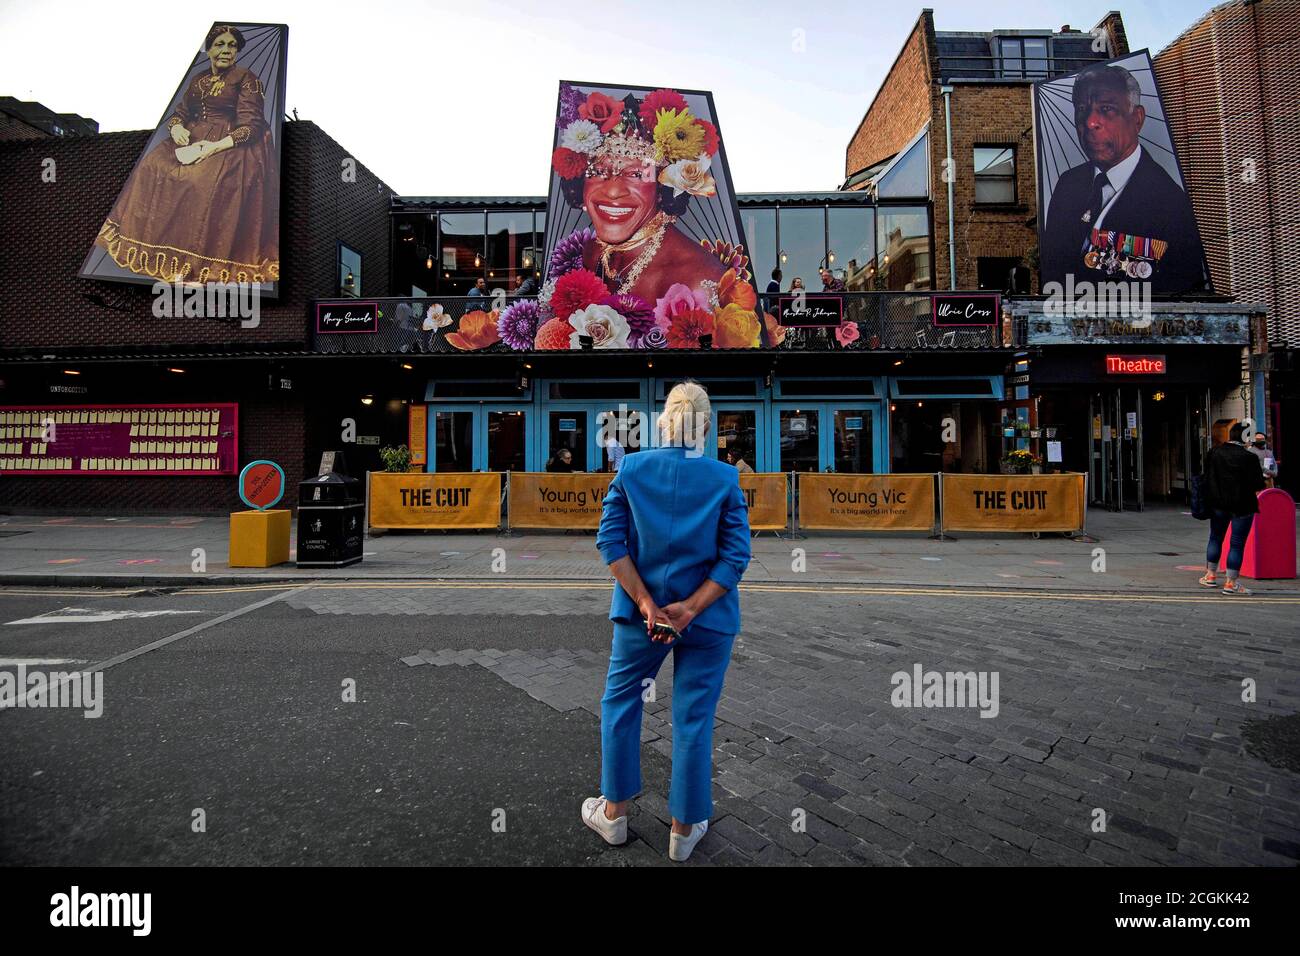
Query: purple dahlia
{"points": [[654, 338], [570, 100], [567, 254], [517, 325], [640, 317]]}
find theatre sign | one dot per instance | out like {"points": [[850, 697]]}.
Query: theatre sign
{"points": [[1222, 326]]}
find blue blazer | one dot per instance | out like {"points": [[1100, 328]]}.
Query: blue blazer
{"points": [[682, 519]]}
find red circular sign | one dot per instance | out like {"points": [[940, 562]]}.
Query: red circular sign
{"points": [[261, 484]]}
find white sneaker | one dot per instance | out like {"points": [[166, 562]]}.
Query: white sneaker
{"points": [[680, 847], [614, 831]]}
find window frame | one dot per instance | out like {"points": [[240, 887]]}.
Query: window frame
{"points": [[1014, 177], [339, 246]]}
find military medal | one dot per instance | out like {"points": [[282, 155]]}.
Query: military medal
{"points": [[1144, 270]]}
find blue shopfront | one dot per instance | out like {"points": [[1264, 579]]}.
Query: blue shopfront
{"points": [[795, 423]]}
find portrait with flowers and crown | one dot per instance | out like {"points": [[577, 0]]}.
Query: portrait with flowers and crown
{"points": [[644, 243]]}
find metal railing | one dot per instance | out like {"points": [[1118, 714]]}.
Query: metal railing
{"points": [[885, 321]]}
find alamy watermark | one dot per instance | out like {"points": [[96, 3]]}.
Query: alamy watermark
{"points": [[211, 300], [1099, 300], [78, 690], [626, 426], [946, 689]]}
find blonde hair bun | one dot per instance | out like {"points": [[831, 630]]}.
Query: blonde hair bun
{"points": [[686, 413]]}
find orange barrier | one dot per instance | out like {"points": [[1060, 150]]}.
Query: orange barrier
{"points": [[540, 499], [434, 500], [848, 502], [768, 497], [1012, 502]]}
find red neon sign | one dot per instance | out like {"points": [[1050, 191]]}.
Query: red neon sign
{"points": [[1135, 365]]}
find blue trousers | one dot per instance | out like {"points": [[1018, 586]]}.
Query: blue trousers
{"points": [[700, 659], [1220, 521]]}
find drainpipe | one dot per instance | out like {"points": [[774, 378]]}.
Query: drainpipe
{"points": [[946, 90]]}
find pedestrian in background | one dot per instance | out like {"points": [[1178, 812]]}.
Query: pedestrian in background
{"points": [[674, 530], [1267, 460], [1232, 480]]}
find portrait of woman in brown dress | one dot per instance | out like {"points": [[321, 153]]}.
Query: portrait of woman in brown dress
{"points": [[203, 204]]}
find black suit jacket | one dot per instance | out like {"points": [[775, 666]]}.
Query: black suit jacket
{"points": [[1151, 205]]}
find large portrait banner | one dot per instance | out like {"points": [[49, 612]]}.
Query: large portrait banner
{"points": [[644, 244], [202, 204], [1112, 204]]}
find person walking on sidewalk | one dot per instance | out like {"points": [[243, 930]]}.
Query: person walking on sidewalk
{"points": [[1232, 480], [674, 530], [1259, 447]]}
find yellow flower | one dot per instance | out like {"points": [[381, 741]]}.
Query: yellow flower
{"points": [[735, 328], [677, 136]]}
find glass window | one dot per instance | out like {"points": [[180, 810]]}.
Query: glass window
{"points": [[803, 243], [799, 449], [569, 430], [506, 438], [1012, 62], [909, 178], [453, 441], [1035, 56], [509, 242], [738, 437], [853, 242], [853, 441], [995, 174], [760, 242], [903, 242], [349, 271], [460, 253]]}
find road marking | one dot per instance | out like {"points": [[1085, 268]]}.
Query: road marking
{"points": [[81, 615], [163, 642], [38, 661], [779, 588]]}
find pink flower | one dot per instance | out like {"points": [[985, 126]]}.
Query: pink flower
{"points": [[678, 300], [847, 332]]}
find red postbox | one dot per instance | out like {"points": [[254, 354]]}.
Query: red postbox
{"points": [[1270, 548]]}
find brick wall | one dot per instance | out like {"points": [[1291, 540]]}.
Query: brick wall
{"points": [[983, 114], [50, 228], [1232, 92], [902, 105]]}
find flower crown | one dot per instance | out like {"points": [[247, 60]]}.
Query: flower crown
{"points": [[600, 135]]}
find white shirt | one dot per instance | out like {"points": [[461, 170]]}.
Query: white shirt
{"points": [[1117, 178]]}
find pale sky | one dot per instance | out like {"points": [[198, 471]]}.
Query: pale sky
{"points": [[445, 98]]}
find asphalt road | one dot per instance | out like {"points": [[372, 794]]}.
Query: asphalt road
{"points": [[234, 706]]}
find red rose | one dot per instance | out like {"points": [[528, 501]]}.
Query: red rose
{"points": [[710, 136], [659, 100], [604, 111], [568, 163], [576, 290], [687, 328]]}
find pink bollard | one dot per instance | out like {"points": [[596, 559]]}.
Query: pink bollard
{"points": [[1270, 547]]}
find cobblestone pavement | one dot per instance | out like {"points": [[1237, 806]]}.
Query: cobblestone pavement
{"points": [[1117, 737]]}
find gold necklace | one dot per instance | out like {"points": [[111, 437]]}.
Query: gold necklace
{"points": [[652, 235]]}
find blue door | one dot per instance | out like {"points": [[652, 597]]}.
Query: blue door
{"points": [[840, 436]]}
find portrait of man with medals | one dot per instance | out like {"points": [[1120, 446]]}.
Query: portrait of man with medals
{"points": [[1119, 216]]}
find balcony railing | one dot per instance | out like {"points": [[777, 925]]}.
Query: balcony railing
{"points": [[885, 321]]}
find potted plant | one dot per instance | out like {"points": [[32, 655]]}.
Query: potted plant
{"points": [[1021, 462], [396, 459]]}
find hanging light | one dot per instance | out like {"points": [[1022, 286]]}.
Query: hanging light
{"points": [[528, 261], [784, 257], [428, 263], [478, 261], [830, 256], [348, 280]]}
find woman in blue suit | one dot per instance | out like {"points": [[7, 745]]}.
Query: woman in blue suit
{"points": [[675, 533]]}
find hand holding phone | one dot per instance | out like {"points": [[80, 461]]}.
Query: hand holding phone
{"points": [[664, 633]]}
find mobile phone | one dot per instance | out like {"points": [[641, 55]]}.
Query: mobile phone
{"points": [[665, 630]]}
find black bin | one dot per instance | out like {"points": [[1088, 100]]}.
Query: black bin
{"points": [[331, 521]]}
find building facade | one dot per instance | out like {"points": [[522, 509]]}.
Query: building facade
{"points": [[1231, 91]]}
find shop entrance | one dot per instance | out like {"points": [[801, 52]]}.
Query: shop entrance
{"points": [[579, 427], [1147, 442], [478, 437], [827, 436]]}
